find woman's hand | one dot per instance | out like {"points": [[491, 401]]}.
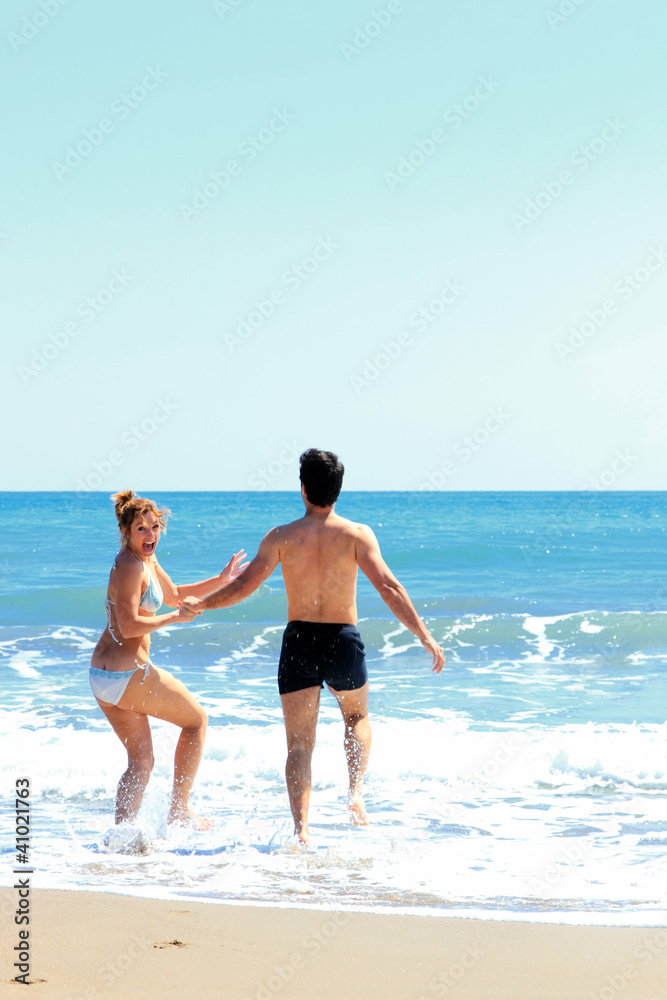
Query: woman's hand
{"points": [[234, 568], [187, 609]]}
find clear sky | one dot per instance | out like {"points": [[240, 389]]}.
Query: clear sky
{"points": [[428, 236]]}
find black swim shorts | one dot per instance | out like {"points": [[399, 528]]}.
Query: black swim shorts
{"points": [[317, 652]]}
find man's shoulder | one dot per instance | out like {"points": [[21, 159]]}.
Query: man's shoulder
{"points": [[340, 525], [354, 526], [280, 532], [354, 530], [282, 529]]}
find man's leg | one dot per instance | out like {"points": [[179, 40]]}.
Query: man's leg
{"points": [[300, 711], [354, 706]]}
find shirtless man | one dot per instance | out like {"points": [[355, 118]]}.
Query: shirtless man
{"points": [[319, 555]]}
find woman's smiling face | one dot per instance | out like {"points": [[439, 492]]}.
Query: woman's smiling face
{"points": [[144, 534]]}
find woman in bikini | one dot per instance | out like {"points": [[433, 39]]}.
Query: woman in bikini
{"points": [[128, 686]]}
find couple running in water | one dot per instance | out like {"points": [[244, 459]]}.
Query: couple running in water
{"points": [[319, 555]]}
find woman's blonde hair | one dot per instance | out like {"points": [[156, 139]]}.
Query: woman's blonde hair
{"points": [[128, 504]]}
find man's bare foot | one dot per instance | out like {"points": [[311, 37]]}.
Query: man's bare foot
{"points": [[190, 819], [303, 834], [355, 804]]}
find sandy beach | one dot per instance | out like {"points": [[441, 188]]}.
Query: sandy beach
{"points": [[99, 945]]}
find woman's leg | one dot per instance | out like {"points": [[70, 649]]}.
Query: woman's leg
{"points": [[134, 733], [163, 696]]}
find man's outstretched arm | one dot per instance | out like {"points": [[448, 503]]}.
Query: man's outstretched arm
{"points": [[393, 593], [261, 567]]}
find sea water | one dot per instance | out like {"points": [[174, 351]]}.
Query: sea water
{"points": [[528, 779]]}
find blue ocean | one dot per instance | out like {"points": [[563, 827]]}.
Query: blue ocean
{"points": [[529, 778]]}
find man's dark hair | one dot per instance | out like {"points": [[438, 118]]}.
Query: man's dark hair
{"points": [[322, 476]]}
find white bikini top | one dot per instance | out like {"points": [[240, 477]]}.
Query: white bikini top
{"points": [[151, 599]]}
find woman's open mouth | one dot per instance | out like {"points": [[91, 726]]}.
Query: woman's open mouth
{"points": [[147, 548]]}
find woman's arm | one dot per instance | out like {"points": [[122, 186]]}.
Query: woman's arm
{"points": [[173, 593], [128, 594]]}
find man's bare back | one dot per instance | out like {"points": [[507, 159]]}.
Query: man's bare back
{"points": [[319, 556]]}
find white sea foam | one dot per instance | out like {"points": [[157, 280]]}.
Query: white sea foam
{"points": [[459, 816], [19, 663]]}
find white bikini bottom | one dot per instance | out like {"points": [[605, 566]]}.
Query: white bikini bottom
{"points": [[109, 685]]}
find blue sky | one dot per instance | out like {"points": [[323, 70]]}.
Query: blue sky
{"points": [[430, 237]]}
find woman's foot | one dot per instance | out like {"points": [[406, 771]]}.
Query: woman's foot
{"points": [[190, 819]]}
